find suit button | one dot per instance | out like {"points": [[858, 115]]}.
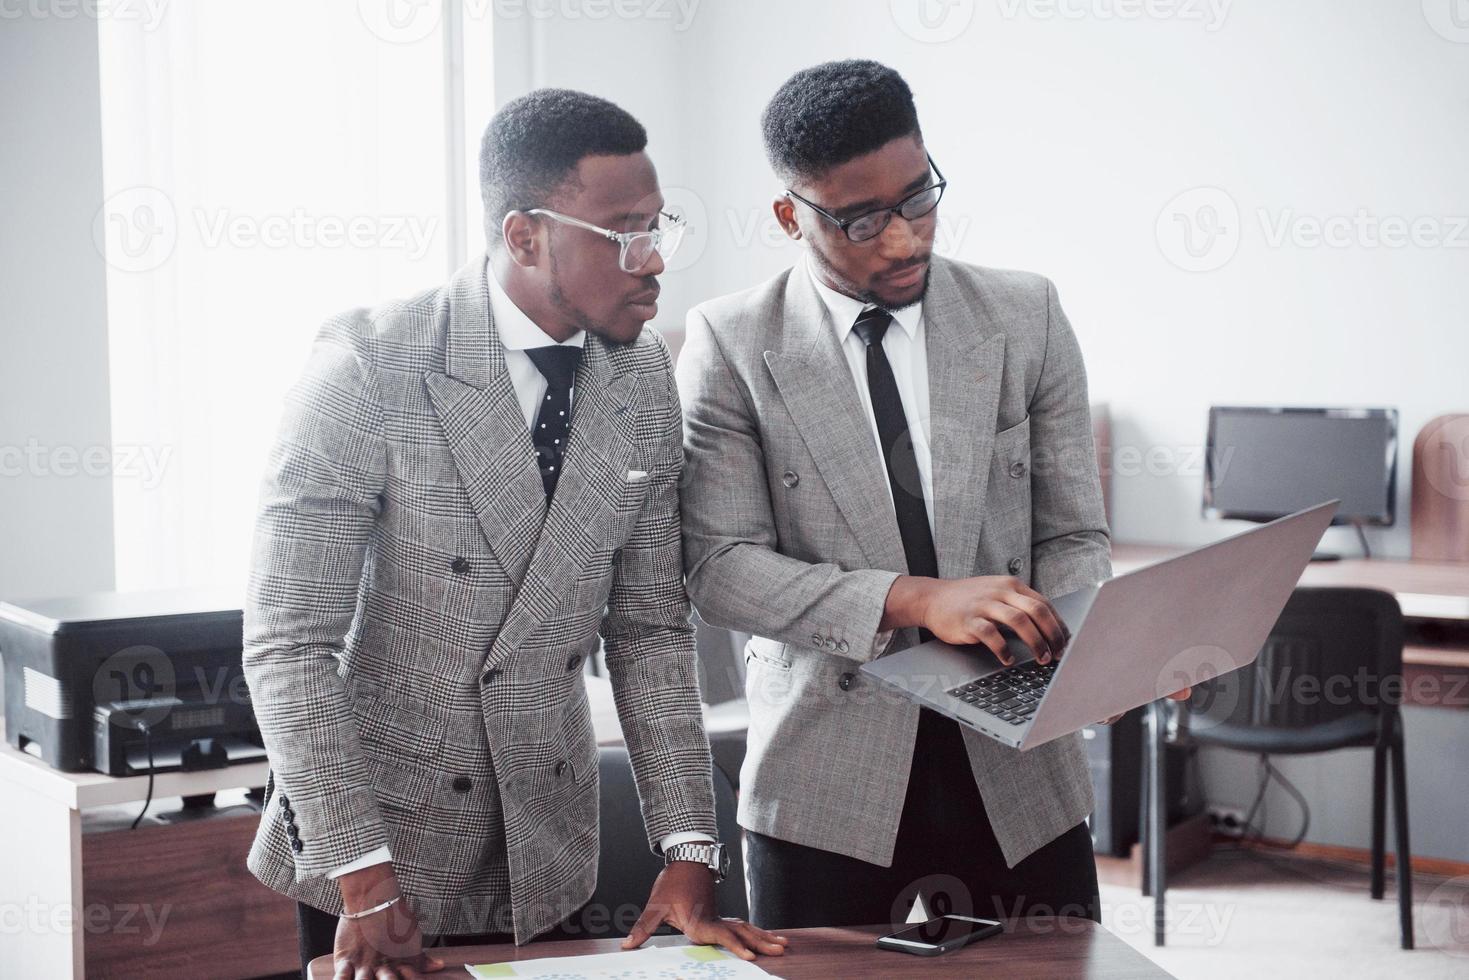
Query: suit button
{"points": [[287, 813], [285, 802], [573, 663], [1017, 470], [845, 682], [831, 643], [816, 639], [462, 784], [296, 845], [791, 478], [292, 832], [459, 565], [561, 768], [1016, 564], [842, 647], [489, 676]]}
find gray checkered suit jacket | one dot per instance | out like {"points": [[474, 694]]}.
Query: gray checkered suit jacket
{"points": [[789, 534], [416, 619]]}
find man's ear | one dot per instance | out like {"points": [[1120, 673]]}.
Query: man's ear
{"points": [[521, 233], [785, 214]]}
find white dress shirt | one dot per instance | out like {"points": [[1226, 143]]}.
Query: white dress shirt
{"points": [[518, 333], [907, 351]]}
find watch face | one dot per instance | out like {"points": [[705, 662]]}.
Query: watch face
{"points": [[723, 861]]}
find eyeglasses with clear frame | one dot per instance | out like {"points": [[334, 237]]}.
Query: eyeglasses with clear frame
{"points": [[868, 225], [637, 247]]}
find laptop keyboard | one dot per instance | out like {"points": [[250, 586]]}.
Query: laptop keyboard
{"points": [[1011, 695]]}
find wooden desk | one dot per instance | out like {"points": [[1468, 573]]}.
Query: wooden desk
{"points": [[1434, 596], [77, 895], [1037, 947]]}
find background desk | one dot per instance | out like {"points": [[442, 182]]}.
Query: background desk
{"points": [[1040, 948], [89, 894]]}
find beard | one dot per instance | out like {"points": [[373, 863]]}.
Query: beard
{"points": [[888, 302], [577, 317]]}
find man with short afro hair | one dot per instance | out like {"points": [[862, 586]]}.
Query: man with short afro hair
{"points": [[859, 433]]}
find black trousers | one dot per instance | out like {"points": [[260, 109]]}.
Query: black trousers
{"points": [[945, 850], [317, 934]]}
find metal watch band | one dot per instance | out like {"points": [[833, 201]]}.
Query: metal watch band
{"points": [[709, 855]]}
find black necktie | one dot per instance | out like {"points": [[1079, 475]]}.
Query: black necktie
{"points": [[897, 447], [552, 426]]}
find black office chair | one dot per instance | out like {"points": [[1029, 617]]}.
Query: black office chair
{"points": [[1328, 677], [627, 868]]}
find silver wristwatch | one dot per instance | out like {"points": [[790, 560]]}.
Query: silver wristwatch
{"points": [[712, 855]]}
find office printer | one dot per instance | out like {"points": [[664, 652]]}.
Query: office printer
{"points": [[128, 683]]}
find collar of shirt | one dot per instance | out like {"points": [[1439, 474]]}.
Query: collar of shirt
{"points": [[844, 309], [518, 331]]}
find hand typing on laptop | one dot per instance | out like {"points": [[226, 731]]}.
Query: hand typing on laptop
{"points": [[984, 611], [970, 611]]}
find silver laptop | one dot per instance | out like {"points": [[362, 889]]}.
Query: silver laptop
{"points": [[1134, 638]]}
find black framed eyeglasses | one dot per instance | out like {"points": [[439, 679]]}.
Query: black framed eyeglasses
{"points": [[868, 225]]}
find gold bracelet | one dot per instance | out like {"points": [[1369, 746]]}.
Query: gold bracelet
{"points": [[376, 908]]}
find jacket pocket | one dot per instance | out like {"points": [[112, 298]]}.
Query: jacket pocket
{"points": [[768, 652], [391, 729]]}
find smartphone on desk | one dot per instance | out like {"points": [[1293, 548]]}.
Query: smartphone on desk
{"points": [[941, 935]]}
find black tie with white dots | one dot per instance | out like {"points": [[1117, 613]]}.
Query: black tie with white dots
{"points": [[552, 426]]}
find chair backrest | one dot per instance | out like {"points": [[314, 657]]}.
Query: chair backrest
{"points": [[627, 868], [1439, 511], [1333, 652]]}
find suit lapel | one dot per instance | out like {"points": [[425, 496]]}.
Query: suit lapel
{"points": [[599, 452], [966, 355], [816, 384], [482, 421]]}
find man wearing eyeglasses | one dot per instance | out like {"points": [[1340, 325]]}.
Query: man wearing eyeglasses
{"points": [[860, 432], [468, 486]]}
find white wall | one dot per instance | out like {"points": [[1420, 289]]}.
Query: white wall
{"points": [[55, 437], [1066, 139]]}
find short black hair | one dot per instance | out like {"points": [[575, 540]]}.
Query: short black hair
{"points": [[533, 144], [830, 113]]}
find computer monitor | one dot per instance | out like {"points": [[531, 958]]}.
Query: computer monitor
{"points": [[1264, 463]]}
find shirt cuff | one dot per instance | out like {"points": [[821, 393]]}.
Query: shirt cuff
{"points": [[881, 641], [378, 855], [687, 837]]}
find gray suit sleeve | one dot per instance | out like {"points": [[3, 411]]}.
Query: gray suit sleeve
{"points": [[1070, 543], [319, 503], [736, 576], [650, 657]]}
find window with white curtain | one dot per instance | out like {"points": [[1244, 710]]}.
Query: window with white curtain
{"points": [[266, 165]]}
